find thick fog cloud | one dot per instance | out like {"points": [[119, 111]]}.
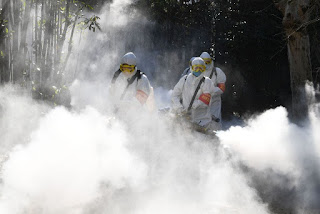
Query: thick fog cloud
{"points": [[84, 161], [18, 116], [269, 142]]}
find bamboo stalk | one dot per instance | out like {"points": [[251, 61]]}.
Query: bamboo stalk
{"points": [[36, 33], [70, 41], [41, 29], [23, 45]]}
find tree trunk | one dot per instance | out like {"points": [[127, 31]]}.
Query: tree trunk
{"points": [[4, 58], [70, 42], [46, 33], [300, 73], [296, 15], [40, 46], [16, 72], [35, 44], [23, 45], [61, 39], [66, 25]]}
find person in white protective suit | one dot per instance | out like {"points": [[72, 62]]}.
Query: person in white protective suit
{"points": [[129, 85], [184, 91], [218, 78], [188, 69]]}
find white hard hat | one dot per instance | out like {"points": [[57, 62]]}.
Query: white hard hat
{"points": [[205, 55], [207, 59], [198, 67], [129, 59], [198, 61]]}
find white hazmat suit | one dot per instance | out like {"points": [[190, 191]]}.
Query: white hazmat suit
{"points": [[219, 79], [185, 89], [125, 94]]}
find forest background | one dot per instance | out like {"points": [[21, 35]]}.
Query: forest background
{"points": [[246, 37]]}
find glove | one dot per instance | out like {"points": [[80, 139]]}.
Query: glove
{"points": [[179, 110], [185, 112]]}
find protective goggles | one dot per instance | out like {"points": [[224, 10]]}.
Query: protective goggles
{"points": [[127, 68], [198, 68], [207, 60]]}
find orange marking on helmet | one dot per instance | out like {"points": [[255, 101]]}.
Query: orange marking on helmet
{"points": [[205, 98]]}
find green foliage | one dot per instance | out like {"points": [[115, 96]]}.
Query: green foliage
{"points": [[86, 5], [41, 23], [82, 4], [56, 95], [3, 27], [23, 3], [92, 23]]}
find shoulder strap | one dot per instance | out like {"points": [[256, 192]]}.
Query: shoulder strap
{"points": [[118, 72], [140, 73], [214, 69], [188, 70], [115, 76], [185, 79], [195, 93], [130, 81]]}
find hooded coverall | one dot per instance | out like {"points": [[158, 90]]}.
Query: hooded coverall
{"points": [[185, 89]]}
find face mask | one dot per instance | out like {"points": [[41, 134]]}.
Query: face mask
{"points": [[198, 69], [127, 74], [196, 73]]}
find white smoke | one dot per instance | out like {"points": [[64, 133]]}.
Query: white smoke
{"points": [[89, 160], [66, 161], [119, 13], [274, 142], [13, 107], [270, 138], [270, 142]]}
